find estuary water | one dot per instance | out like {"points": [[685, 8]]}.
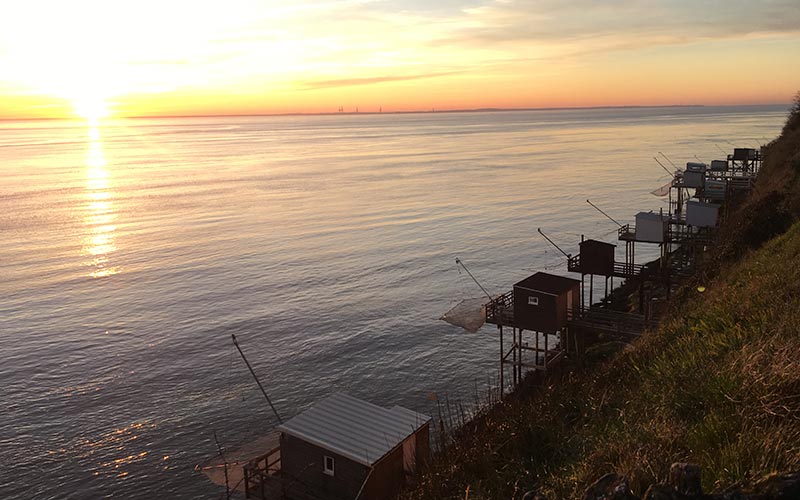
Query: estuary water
{"points": [[132, 250]]}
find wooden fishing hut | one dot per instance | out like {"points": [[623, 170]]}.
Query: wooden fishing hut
{"points": [[541, 304], [702, 215], [342, 448], [695, 175], [731, 180], [597, 258], [745, 161], [650, 227]]}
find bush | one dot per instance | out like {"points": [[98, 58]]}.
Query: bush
{"points": [[793, 120]]}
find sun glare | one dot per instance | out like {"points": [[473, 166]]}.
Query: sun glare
{"points": [[92, 108]]}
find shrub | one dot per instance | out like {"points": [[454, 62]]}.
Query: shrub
{"points": [[793, 120]]}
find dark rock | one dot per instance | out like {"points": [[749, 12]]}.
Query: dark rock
{"points": [[685, 478], [731, 494], [609, 487], [533, 495], [778, 487], [660, 492]]}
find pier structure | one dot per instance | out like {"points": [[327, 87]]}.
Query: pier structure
{"points": [[597, 258], [537, 310], [651, 228], [555, 309], [341, 447], [548, 321], [701, 196]]}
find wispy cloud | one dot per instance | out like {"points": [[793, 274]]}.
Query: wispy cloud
{"points": [[256, 47], [351, 82], [657, 21]]}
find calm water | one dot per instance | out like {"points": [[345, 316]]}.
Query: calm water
{"points": [[131, 252]]}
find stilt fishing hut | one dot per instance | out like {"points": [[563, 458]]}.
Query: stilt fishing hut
{"points": [[342, 448], [649, 227], [541, 304], [695, 175], [701, 215], [745, 161], [595, 258]]}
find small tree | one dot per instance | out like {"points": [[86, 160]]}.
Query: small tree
{"points": [[793, 120]]}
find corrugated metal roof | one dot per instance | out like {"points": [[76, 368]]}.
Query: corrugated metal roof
{"points": [[356, 429]]}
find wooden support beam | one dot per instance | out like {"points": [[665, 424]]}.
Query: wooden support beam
{"points": [[502, 358]]}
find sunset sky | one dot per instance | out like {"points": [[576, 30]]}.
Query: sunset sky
{"points": [[172, 57]]}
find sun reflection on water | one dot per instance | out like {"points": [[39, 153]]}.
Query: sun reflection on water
{"points": [[113, 452], [100, 213]]}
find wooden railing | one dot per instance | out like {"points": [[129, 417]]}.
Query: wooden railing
{"points": [[610, 321], [574, 264], [621, 269], [627, 232], [707, 237], [628, 270], [256, 475], [500, 311]]}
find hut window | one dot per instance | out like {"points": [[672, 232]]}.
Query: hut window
{"points": [[328, 466], [533, 301]]}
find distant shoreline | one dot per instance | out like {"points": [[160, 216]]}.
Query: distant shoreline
{"points": [[434, 111], [412, 112]]}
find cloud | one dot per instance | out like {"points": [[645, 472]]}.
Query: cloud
{"points": [[659, 21], [350, 82]]}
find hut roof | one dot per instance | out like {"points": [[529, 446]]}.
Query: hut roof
{"points": [[355, 429], [548, 283], [595, 243]]}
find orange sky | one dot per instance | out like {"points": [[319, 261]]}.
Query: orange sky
{"points": [[172, 57]]}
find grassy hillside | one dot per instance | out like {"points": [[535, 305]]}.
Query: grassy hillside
{"points": [[718, 384]]}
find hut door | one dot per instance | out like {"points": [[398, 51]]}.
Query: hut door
{"points": [[410, 455]]}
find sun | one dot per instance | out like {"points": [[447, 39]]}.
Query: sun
{"points": [[91, 107]]}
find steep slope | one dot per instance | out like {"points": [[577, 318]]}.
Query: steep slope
{"points": [[718, 384]]}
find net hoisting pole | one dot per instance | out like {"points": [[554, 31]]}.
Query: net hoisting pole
{"points": [[236, 343], [665, 168], [601, 211], [458, 261], [667, 158], [551, 242]]}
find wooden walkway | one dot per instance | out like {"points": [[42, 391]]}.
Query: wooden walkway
{"points": [[500, 312], [610, 322], [621, 269]]}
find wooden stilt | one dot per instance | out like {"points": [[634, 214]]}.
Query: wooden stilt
{"points": [[514, 356], [502, 362]]}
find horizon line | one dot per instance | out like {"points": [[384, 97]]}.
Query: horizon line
{"points": [[404, 112]]}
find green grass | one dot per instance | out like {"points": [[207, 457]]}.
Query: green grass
{"points": [[718, 385]]}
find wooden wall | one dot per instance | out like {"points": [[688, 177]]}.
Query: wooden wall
{"points": [[302, 465]]}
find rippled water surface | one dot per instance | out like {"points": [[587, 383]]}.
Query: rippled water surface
{"points": [[130, 253]]}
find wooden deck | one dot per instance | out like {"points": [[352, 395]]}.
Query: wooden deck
{"points": [[610, 322], [621, 269], [707, 237], [627, 233], [262, 474], [500, 311], [262, 453]]}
